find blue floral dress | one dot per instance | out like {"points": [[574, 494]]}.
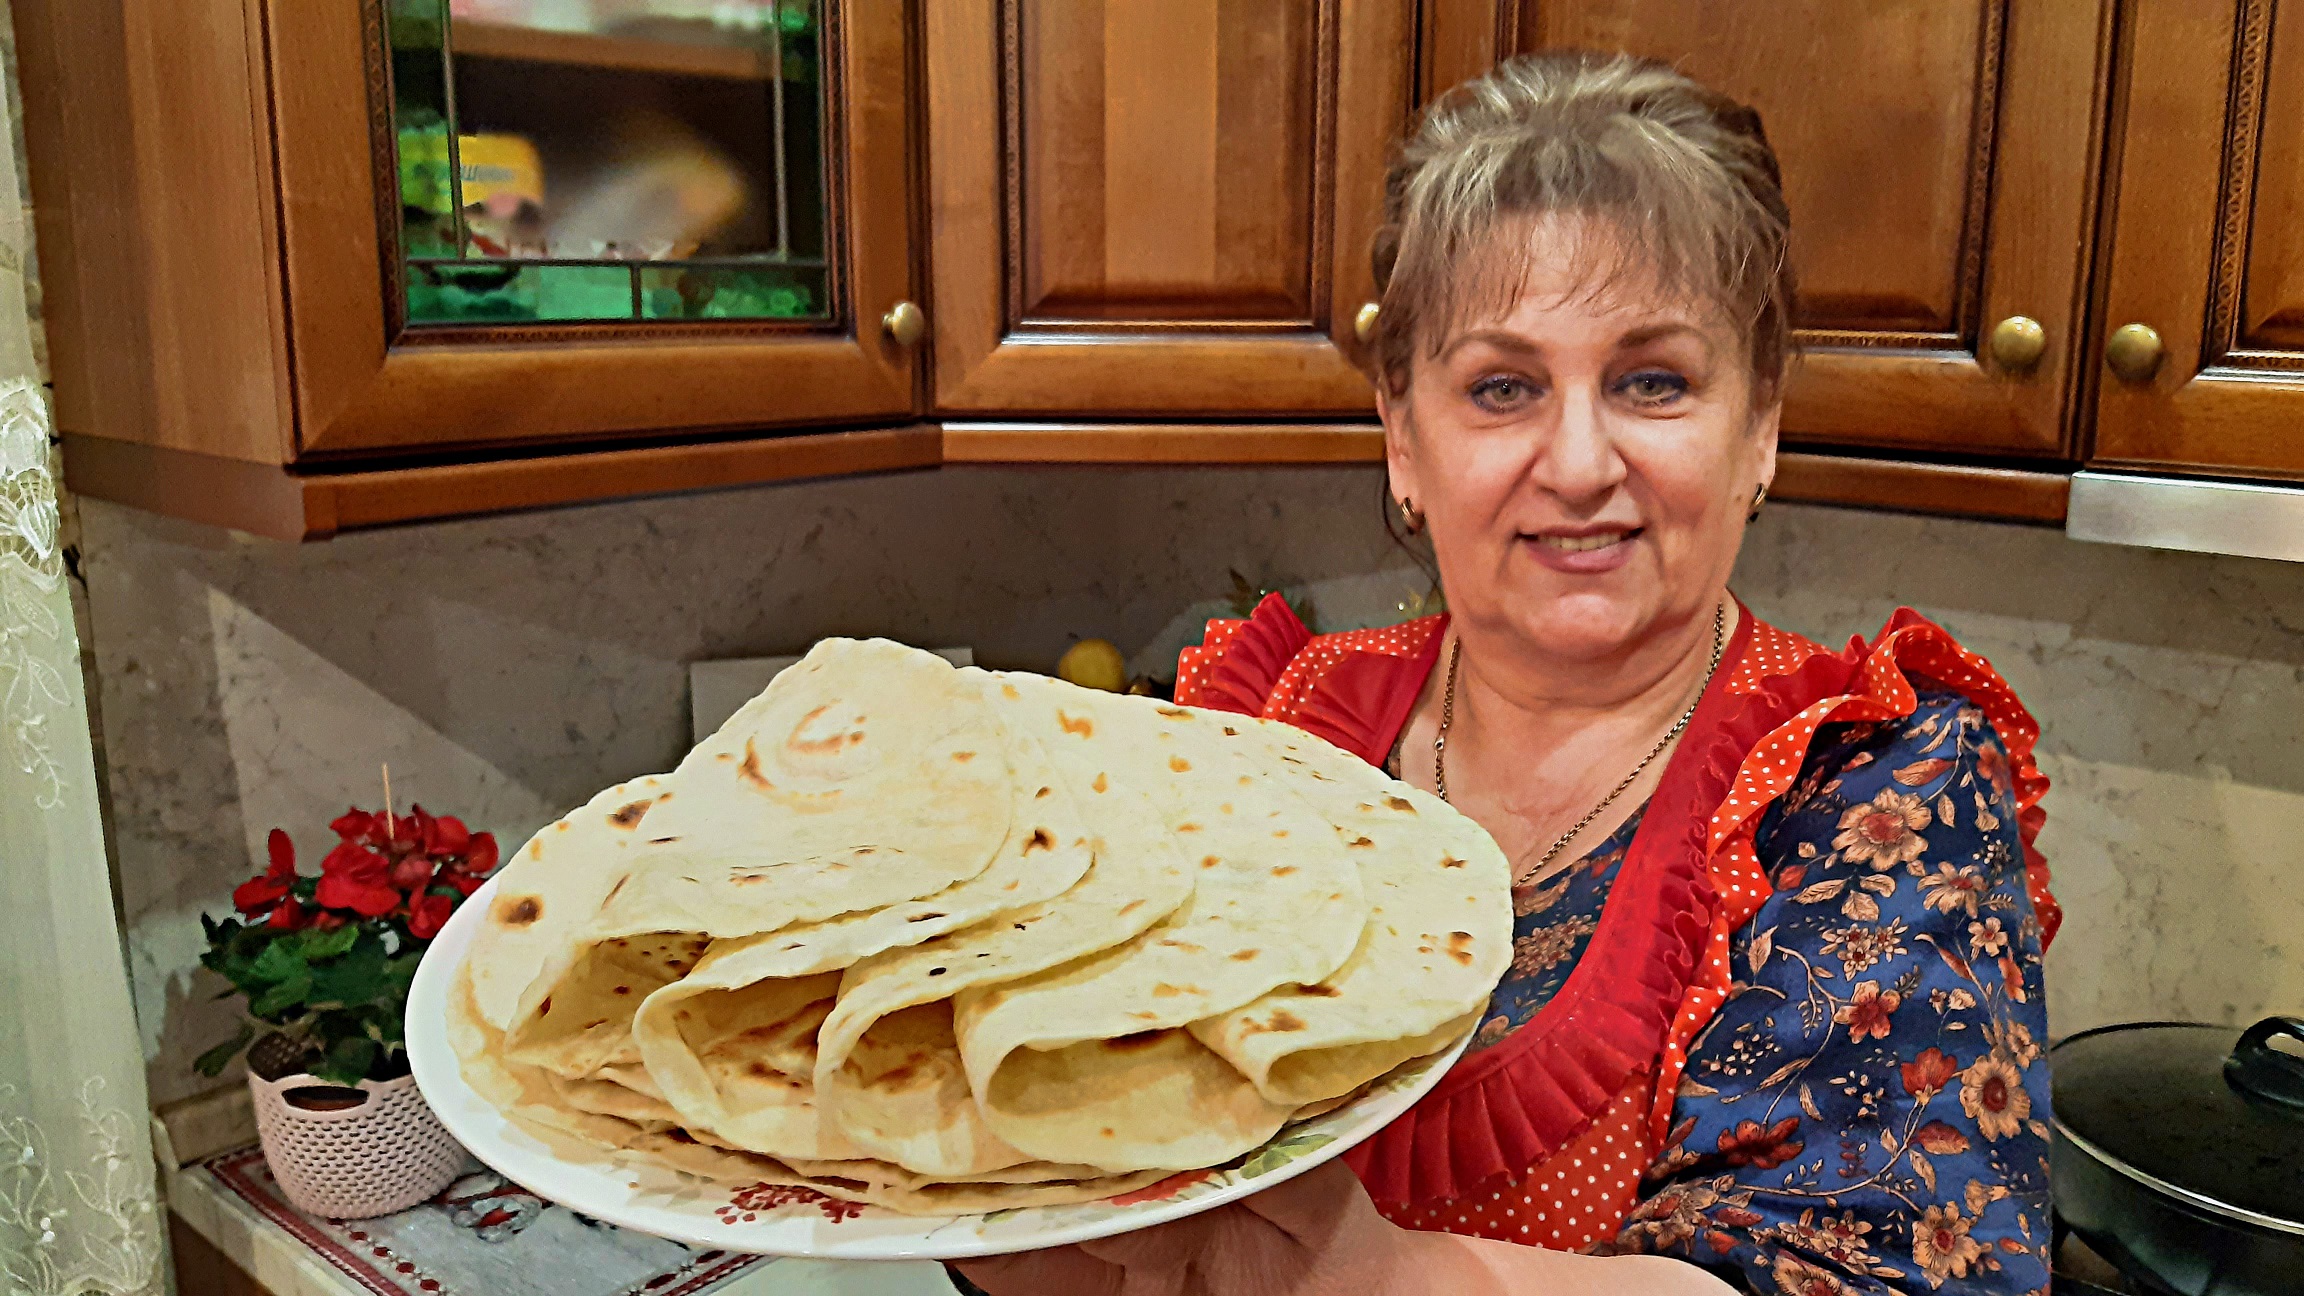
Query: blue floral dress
{"points": [[1867, 1111]]}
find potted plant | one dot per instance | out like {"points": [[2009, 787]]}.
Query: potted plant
{"points": [[325, 964]]}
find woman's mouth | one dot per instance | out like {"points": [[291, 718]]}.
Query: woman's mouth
{"points": [[1583, 552]]}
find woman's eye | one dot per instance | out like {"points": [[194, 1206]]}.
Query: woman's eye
{"points": [[1653, 387], [1500, 393]]}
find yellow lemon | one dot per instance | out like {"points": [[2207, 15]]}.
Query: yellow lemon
{"points": [[1094, 663]]}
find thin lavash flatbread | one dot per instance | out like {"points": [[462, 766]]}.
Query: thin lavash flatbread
{"points": [[866, 774], [761, 1037], [533, 1100], [548, 891], [1438, 939], [1277, 901], [1136, 876]]}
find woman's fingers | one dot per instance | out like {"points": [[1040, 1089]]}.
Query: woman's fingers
{"points": [[1044, 1273], [1314, 1205]]}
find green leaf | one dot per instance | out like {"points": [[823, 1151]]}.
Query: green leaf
{"points": [[278, 962], [320, 945], [347, 1061], [290, 993], [357, 976], [213, 1061], [1281, 1153]]}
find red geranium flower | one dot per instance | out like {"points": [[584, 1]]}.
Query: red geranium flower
{"points": [[356, 878], [1762, 1147], [267, 888], [428, 914], [290, 914], [412, 873], [1927, 1074]]}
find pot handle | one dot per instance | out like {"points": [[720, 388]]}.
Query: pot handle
{"points": [[2263, 1072]]}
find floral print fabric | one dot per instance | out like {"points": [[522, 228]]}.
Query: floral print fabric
{"points": [[1552, 923], [1866, 1112]]}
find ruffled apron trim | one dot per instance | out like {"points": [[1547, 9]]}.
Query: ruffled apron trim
{"points": [[1515, 1104], [1866, 682]]}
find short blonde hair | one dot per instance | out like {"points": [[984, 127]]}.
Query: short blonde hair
{"points": [[1680, 176]]}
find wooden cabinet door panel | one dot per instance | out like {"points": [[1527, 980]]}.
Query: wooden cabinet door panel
{"points": [[1157, 206], [1938, 160], [364, 386], [2206, 248]]}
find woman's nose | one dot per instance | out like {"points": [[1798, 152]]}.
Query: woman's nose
{"points": [[1578, 462]]}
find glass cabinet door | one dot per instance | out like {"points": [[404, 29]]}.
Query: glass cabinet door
{"points": [[644, 215], [590, 160]]}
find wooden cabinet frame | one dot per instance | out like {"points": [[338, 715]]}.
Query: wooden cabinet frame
{"points": [[2181, 219], [2033, 177], [989, 362]]}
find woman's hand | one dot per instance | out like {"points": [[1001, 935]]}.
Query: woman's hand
{"points": [[1314, 1235], [1319, 1235]]}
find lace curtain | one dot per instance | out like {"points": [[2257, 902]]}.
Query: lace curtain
{"points": [[77, 1200]]}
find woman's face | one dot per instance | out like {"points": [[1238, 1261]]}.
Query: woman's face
{"points": [[1586, 461]]}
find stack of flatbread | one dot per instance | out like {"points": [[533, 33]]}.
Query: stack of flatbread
{"points": [[951, 940]]}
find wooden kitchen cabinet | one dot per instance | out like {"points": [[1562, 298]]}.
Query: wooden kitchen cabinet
{"points": [[2206, 248], [298, 275], [1149, 209], [1939, 163]]}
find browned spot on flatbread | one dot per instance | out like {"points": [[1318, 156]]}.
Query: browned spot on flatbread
{"points": [[1283, 870], [561, 826], [517, 911], [1125, 910], [1286, 1021], [1460, 947], [1042, 839], [1279, 832], [1107, 1131], [758, 1069], [1319, 991], [1084, 727], [1450, 861], [1231, 732], [544, 1007], [926, 917], [1041, 793], [1187, 827], [1243, 956], [1401, 803], [963, 757], [536, 849], [749, 771], [611, 896], [1174, 713], [724, 756], [629, 816], [1359, 843], [1179, 765], [1163, 990], [1209, 861], [1101, 784], [623, 990], [1145, 1016], [1245, 780], [1186, 946], [1009, 691]]}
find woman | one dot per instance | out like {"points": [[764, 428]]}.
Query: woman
{"points": [[1775, 1008]]}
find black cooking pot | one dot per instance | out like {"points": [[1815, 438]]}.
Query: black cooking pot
{"points": [[2179, 1155]]}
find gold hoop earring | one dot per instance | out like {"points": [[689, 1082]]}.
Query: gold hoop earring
{"points": [[1759, 497], [1409, 517]]}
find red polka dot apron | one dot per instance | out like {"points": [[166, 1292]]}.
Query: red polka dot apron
{"points": [[1542, 1137]]}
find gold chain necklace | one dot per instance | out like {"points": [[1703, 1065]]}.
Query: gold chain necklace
{"points": [[1448, 720]]}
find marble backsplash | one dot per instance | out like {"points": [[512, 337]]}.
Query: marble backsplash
{"points": [[506, 668]]}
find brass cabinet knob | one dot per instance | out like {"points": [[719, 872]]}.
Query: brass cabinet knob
{"points": [[2018, 342], [1364, 320], [2133, 351], [905, 323]]}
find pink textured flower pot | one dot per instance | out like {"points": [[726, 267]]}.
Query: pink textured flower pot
{"points": [[383, 1154]]}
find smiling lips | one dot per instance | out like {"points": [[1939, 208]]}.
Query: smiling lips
{"points": [[1583, 553]]}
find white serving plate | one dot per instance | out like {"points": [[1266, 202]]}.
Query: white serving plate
{"points": [[636, 1194]]}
